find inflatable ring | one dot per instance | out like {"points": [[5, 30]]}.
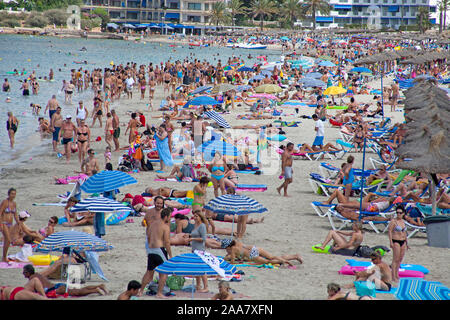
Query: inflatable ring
{"points": [[42, 259], [315, 249]]}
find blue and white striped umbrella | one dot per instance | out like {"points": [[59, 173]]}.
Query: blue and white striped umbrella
{"points": [[201, 89], [99, 204], [213, 115], [76, 240], [107, 181], [190, 264], [210, 148], [235, 204], [201, 101]]}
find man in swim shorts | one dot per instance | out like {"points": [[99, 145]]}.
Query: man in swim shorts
{"points": [[68, 130], [116, 128], [286, 168], [55, 125], [158, 249], [319, 128], [52, 104]]}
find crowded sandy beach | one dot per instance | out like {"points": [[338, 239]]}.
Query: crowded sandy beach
{"points": [[250, 164]]}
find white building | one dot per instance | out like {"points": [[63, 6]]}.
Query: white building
{"points": [[375, 13]]}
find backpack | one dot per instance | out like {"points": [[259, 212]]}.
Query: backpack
{"points": [[175, 282], [153, 289]]}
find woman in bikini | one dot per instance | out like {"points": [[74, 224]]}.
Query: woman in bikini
{"points": [[143, 85], [398, 239], [83, 138], [231, 178], [237, 249], [8, 210], [20, 293], [11, 126], [200, 194], [217, 169]]}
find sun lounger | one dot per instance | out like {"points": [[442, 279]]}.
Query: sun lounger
{"points": [[320, 208], [251, 187], [333, 215]]}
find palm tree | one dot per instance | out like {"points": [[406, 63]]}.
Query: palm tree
{"points": [[262, 8], [218, 13], [313, 6], [441, 11], [292, 10], [423, 19], [235, 7]]}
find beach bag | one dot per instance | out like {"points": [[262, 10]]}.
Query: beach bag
{"points": [[153, 289], [365, 288], [149, 165], [175, 282], [364, 252]]}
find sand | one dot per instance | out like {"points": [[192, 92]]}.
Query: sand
{"points": [[290, 225]]}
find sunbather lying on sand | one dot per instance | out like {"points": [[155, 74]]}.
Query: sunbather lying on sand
{"points": [[237, 250], [371, 202]]}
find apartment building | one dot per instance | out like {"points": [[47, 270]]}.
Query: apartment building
{"points": [[375, 13], [146, 11]]}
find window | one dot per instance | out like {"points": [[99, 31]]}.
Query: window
{"points": [[194, 6], [193, 18], [114, 14], [206, 6], [132, 15]]}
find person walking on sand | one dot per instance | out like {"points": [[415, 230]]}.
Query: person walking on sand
{"points": [[52, 105], [68, 131], [83, 139], [109, 130], [11, 126], [158, 251], [319, 128], [398, 239], [116, 128], [132, 126], [286, 168], [8, 212], [55, 125]]}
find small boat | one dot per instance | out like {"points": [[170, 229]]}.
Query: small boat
{"points": [[246, 45]]}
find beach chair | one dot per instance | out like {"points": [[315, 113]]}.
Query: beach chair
{"points": [[333, 215], [346, 146], [321, 185], [320, 208], [75, 192], [75, 272]]}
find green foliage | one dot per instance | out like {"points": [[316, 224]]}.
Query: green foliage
{"points": [[261, 9], [37, 20], [91, 23], [42, 5], [102, 14], [218, 13], [10, 22], [57, 16]]}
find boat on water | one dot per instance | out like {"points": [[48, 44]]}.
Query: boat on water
{"points": [[246, 45]]}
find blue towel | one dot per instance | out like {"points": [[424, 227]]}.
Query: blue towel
{"points": [[163, 151], [92, 258]]}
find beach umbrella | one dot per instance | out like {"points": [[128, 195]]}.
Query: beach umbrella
{"points": [[242, 87], [257, 78], [361, 69], [201, 101], [201, 89], [284, 38], [326, 63], [310, 83], [234, 204], [314, 75], [209, 148], [245, 69], [80, 241], [213, 115], [99, 204], [223, 87], [264, 96], [426, 146], [268, 88], [334, 91], [112, 25], [107, 181], [129, 26], [198, 263]]}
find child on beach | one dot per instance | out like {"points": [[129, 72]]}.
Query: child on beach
{"points": [[107, 155], [224, 292], [131, 292]]}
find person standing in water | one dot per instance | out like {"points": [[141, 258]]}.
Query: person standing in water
{"points": [[11, 126]]}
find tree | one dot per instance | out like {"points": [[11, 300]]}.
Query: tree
{"points": [[57, 17], [443, 7], [235, 7], [218, 13], [262, 8], [102, 14], [423, 19], [291, 10], [310, 7]]}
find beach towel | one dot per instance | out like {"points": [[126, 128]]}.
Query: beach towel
{"points": [[163, 151]]}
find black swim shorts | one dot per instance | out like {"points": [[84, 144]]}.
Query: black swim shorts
{"points": [[116, 133], [155, 259], [66, 140]]}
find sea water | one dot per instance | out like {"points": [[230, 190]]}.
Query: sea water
{"points": [[41, 53]]}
